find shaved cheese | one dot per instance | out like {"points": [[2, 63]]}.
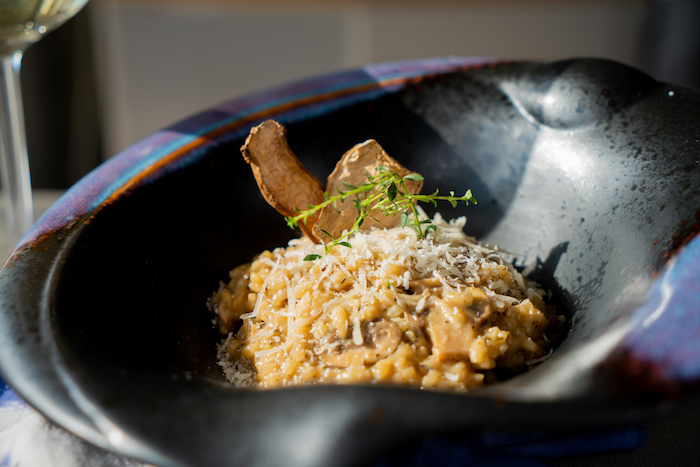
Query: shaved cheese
{"points": [[421, 304], [356, 331], [506, 298], [237, 372], [362, 280], [290, 306], [261, 294], [279, 348]]}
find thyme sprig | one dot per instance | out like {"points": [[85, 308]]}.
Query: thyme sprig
{"points": [[385, 191]]}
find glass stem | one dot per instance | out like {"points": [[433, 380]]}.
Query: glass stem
{"points": [[14, 160]]}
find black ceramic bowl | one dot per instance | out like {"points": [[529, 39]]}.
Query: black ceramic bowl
{"points": [[587, 166]]}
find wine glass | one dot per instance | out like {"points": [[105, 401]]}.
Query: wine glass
{"points": [[22, 22]]}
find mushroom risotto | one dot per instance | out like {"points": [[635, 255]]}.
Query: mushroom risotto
{"points": [[349, 302], [436, 312]]}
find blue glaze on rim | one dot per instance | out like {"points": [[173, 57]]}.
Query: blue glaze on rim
{"points": [[185, 142], [667, 336]]}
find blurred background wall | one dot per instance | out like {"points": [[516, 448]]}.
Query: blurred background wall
{"points": [[122, 69]]}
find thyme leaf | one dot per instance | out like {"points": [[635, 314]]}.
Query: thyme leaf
{"points": [[387, 192]]}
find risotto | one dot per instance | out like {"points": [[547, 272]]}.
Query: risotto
{"points": [[437, 312]]}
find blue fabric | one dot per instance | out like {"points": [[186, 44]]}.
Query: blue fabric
{"points": [[666, 339], [7, 395], [507, 449]]}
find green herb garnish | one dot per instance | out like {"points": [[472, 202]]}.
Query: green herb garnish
{"points": [[390, 196]]}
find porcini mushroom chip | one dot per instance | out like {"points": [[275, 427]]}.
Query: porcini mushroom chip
{"points": [[283, 180], [286, 184], [353, 168]]}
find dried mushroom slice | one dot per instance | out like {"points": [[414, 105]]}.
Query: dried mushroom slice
{"points": [[286, 184], [283, 180], [353, 168]]}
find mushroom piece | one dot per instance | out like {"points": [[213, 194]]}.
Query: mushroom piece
{"points": [[283, 180], [287, 185], [453, 323], [381, 340], [474, 301], [353, 168]]}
